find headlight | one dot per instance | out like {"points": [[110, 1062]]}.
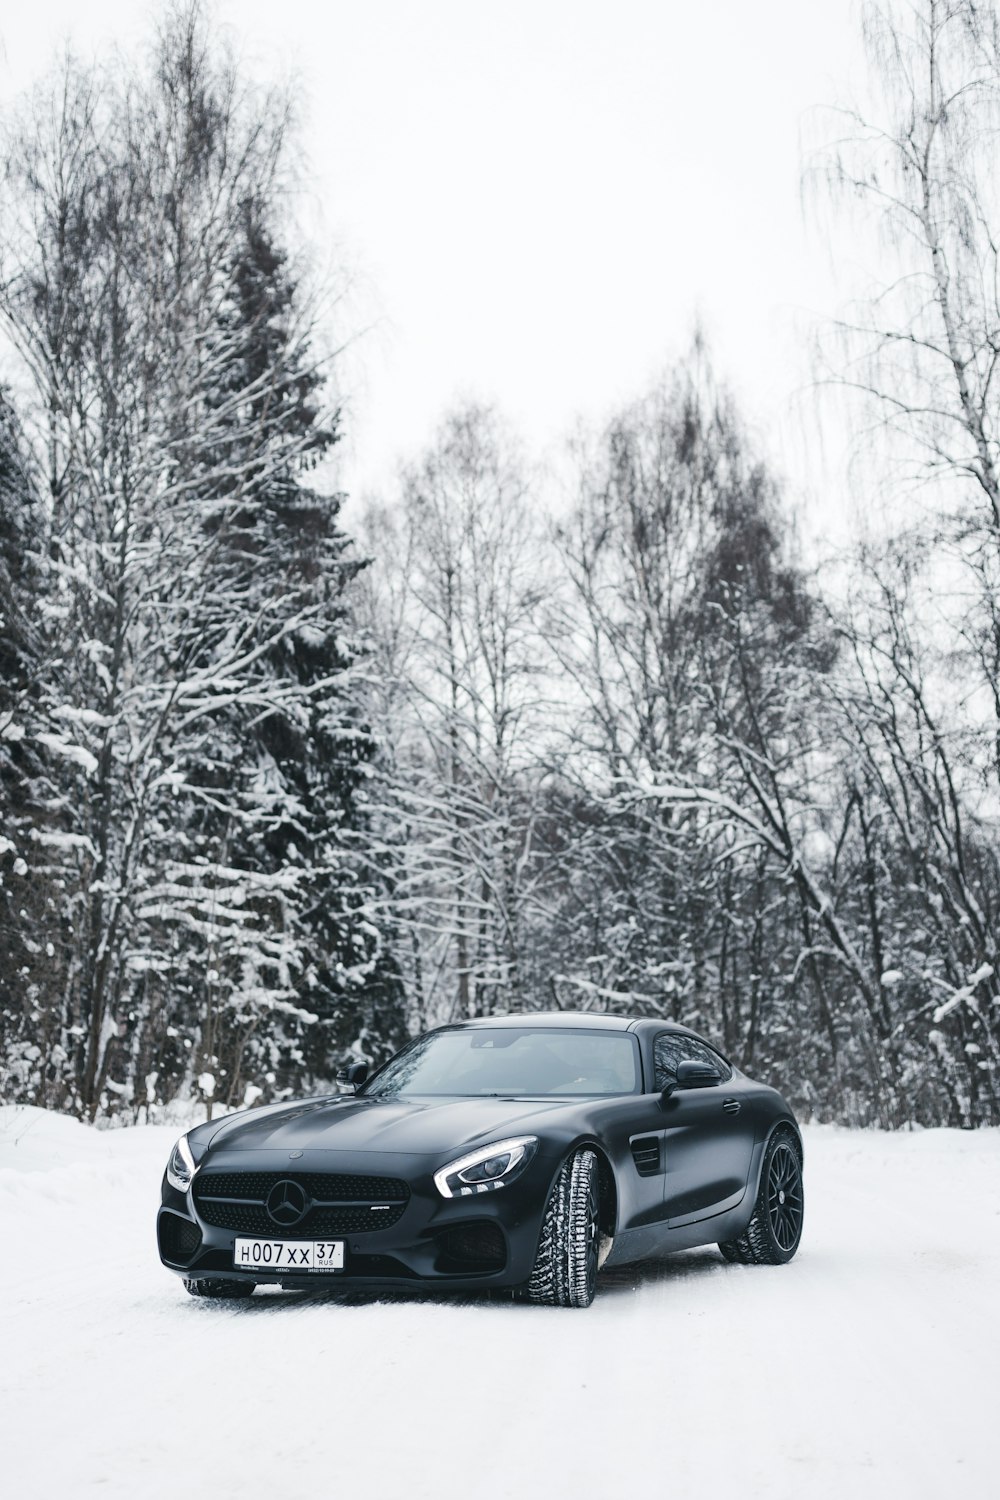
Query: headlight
{"points": [[181, 1167], [487, 1169]]}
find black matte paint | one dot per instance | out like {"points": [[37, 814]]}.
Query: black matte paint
{"points": [[711, 1144]]}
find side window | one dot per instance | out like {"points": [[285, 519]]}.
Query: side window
{"points": [[673, 1047], [668, 1051], [725, 1071]]}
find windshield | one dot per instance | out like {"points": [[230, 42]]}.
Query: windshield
{"points": [[465, 1062]]}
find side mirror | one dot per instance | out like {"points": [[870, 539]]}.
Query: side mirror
{"points": [[355, 1074], [693, 1075]]}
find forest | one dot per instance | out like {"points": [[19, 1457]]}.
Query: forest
{"points": [[277, 792]]}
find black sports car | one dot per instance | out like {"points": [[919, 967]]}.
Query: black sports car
{"points": [[516, 1151]]}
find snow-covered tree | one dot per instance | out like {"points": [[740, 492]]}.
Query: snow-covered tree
{"points": [[455, 602], [918, 355], [211, 749], [30, 1052], [675, 536]]}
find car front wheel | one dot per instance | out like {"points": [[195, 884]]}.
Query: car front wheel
{"points": [[215, 1286], [773, 1234], [565, 1269]]}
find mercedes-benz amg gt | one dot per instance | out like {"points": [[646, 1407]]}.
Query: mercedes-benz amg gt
{"points": [[522, 1152]]}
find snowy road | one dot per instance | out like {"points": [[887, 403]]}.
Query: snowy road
{"points": [[868, 1367]]}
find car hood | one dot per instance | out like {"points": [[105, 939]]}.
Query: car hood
{"points": [[414, 1126]]}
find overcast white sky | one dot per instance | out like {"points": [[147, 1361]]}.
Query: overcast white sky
{"points": [[542, 198]]}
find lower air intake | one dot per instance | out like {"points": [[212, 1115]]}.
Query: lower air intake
{"points": [[179, 1238], [472, 1249]]}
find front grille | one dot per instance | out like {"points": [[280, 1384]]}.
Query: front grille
{"points": [[325, 1187], [318, 1223], [179, 1238], [339, 1202], [646, 1154], [472, 1248]]}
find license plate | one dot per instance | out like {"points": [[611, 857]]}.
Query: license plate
{"points": [[287, 1255]]}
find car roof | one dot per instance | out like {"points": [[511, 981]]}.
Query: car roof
{"points": [[577, 1019]]}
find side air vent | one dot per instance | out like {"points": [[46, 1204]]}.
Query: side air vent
{"points": [[646, 1154]]}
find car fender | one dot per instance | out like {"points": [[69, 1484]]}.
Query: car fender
{"points": [[608, 1176], [784, 1121]]}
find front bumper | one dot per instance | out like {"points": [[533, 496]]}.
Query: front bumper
{"points": [[483, 1241]]}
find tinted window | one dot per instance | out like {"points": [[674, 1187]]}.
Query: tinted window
{"points": [[672, 1047], [480, 1060]]}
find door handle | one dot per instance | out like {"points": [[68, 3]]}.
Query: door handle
{"points": [[731, 1106]]}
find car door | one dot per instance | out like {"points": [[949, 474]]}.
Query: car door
{"points": [[708, 1133]]}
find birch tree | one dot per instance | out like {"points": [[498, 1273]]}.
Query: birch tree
{"points": [[917, 858], [676, 521], [456, 601], [923, 350], [921, 355]]}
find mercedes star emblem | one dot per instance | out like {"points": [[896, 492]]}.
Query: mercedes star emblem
{"points": [[287, 1203]]}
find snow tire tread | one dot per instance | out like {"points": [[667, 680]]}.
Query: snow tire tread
{"points": [[218, 1287], [565, 1265]]}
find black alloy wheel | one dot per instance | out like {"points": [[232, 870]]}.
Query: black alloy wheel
{"points": [[772, 1236], [784, 1197]]}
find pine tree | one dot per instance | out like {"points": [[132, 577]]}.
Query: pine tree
{"points": [[29, 930], [291, 969]]}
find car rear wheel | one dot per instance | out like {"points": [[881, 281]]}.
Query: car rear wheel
{"points": [[215, 1286], [565, 1269], [773, 1234]]}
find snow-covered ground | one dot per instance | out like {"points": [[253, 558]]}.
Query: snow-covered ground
{"points": [[868, 1367]]}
